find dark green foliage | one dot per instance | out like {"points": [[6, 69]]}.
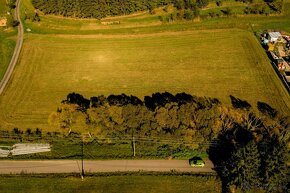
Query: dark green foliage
{"points": [[219, 3], [276, 5], [74, 98], [188, 14], [273, 164], [38, 132], [32, 17], [246, 1], [186, 5], [11, 4], [11, 22], [202, 3], [227, 11], [258, 9], [252, 156], [29, 132], [121, 100], [186, 10], [96, 8], [159, 115], [242, 167]]}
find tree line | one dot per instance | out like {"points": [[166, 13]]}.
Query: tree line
{"points": [[247, 146], [164, 115], [96, 8]]}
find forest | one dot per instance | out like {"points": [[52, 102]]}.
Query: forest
{"points": [[164, 115], [186, 9], [96, 8]]}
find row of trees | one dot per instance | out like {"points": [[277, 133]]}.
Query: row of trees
{"points": [[180, 116], [96, 8], [185, 9], [163, 115], [249, 150]]}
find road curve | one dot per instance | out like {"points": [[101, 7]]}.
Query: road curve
{"points": [[74, 166], [17, 50]]}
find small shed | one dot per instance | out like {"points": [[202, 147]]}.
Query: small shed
{"points": [[3, 22], [273, 36]]}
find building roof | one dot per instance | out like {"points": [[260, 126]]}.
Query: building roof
{"points": [[3, 21], [274, 34]]}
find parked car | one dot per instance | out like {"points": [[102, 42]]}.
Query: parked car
{"points": [[196, 162]]}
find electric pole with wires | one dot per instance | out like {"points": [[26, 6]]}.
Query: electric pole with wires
{"points": [[83, 171]]}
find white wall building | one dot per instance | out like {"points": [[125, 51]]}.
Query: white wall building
{"points": [[273, 36]]}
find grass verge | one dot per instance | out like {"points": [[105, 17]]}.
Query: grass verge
{"points": [[97, 184], [7, 45]]}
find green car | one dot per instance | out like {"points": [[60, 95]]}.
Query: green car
{"points": [[196, 162]]}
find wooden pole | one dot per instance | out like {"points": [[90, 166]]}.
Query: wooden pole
{"points": [[134, 150], [83, 171]]}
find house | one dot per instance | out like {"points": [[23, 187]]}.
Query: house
{"points": [[273, 36], [3, 21]]}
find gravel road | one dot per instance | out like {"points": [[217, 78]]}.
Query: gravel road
{"points": [[74, 166]]}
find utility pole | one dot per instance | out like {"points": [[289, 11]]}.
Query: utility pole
{"points": [[134, 150], [83, 171]]}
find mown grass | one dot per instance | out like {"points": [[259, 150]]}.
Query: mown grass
{"points": [[213, 63], [140, 56], [7, 45], [109, 184], [7, 41], [3, 8]]}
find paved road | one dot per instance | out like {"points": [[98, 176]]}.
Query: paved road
{"points": [[17, 50], [73, 166]]}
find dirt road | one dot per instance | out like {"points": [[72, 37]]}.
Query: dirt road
{"points": [[73, 166], [17, 50]]}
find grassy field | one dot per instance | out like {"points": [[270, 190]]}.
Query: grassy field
{"points": [[215, 58], [110, 184], [213, 63], [3, 8], [7, 44], [71, 148]]}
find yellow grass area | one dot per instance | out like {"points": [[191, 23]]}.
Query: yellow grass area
{"points": [[213, 63]]}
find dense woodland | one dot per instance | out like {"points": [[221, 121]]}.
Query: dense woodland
{"points": [[185, 9], [96, 8]]}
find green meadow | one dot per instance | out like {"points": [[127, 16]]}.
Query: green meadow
{"points": [[214, 57], [109, 184], [212, 63]]}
